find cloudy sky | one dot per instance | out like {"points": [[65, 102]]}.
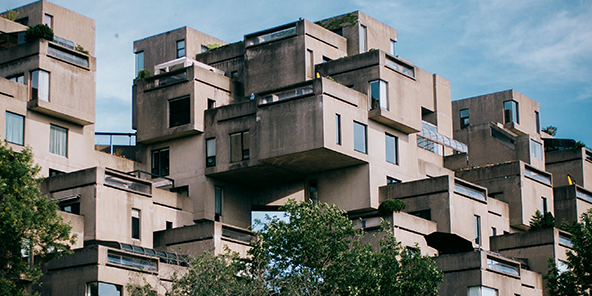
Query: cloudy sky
{"points": [[540, 48]]}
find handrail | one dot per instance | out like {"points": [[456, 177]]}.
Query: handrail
{"points": [[111, 134], [153, 175]]}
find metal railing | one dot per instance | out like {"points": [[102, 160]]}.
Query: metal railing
{"points": [[113, 139], [138, 174]]}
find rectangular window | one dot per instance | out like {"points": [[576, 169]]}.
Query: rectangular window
{"points": [[482, 291], [544, 208], [338, 129], [477, 226], [537, 121], [40, 85], [139, 62], [15, 128], [511, 112], [58, 140], [73, 208], [218, 201], [309, 64], [313, 190], [464, 118], [536, 149], [135, 224], [363, 38], [493, 231], [378, 94], [210, 152], [20, 78], [360, 139], [211, 104], [48, 20], [181, 48], [179, 111], [391, 180], [160, 162], [393, 47], [391, 143], [239, 146], [100, 288]]}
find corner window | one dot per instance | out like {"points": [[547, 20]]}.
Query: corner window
{"points": [[477, 226], [309, 64], [360, 139], [393, 47], [179, 111], [378, 95], [15, 128], [391, 148], [48, 20], [239, 146], [536, 149], [40, 85], [464, 118], [363, 38], [537, 122], [139, 62], [338, 129], [210, 152], [181, 48], [20, 78], [100, 288], [160, 162], [218, 202], [135, 224], [58, 140], [511, 112]]}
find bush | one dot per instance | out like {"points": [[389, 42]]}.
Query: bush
{"points": [[81, 49], [391, 205], [144, 73], [10, 14], [542, 221], [38, 31]]}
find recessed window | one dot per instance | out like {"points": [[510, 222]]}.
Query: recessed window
{"points": [[179, 111], [313, 190], [211, 104], [54, 172], [363, 38], [135, 224], [160, 162], [239, 146], [204, 48], [477, 226], [464, 118], [393, 47], [360, 139], [425, 214], [391, 180], [326, 59], [15, 128], [139, 62], [20, 78], [100, 288], [511, 112], [378, 95], [73, 208], [211, 152], [544, 208], [218, 202], [536, 149], [309, 64], [537, 122], [234, 74], [48, 20], [493, 231], [391, 143], [58, 140], [40, 85], [181, 48], [338, 129], [482, 291]]}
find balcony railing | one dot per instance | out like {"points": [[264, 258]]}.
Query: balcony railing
{"points": [[503, 267], [270, 36], [286, 95], [64, 55], [537, 176], [167, 79], [114, 139], [400, 67]]}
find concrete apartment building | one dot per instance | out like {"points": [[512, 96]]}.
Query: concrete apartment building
{"points": [[320, 111]]}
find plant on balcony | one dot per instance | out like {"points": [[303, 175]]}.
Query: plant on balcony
{"points": [[542, 221], [10, 15], [346, 21], [38, 31], [551, 130], [81, 49], [213, 46], [144, 73], [389, 206]]}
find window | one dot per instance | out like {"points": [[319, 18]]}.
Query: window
{"points": [[204, 48], [391, 148], [393, 47], [48, 20], [468, 191], [218, 201], [536, 149], [53, 172], [73, 208], [169, 225], [391, 180], [313, 190], [179, 111], [309, 64], [338, 31], [234, 74], [425, 214], [40, 85], [211, 104], [493, 231], [511, 112], [135, 224], [15, 128], [239, 146], [338, 129], [363, 38], [181, 48], [103, 289], [482, 291], [20, 78], [378, 95], [360, 140], [58, 140], [464, 118], [326, 59], [544, 205], [160, 162], [537, 121], [210, 152], [23, 21], [139, 62], [477, 226]]}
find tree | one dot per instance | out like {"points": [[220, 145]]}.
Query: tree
{"points": [[31, 230], [540, 221], [38, 31], [10, 14], [577, 279], [316, 252], [551, 130]]}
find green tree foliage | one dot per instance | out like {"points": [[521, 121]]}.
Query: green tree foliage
{"points": [[551, 130], [10, 14], [144, 73], [540, 221], [38, 31], [391, 205], [577, 280], [29, 223], [316, 252]]}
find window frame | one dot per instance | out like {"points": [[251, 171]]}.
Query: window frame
{"points": [[245, 152], [18, 78], [537, 122], [309, 64], [363, 38], [395, 148], [138, 67], [183, 116], [465, 121], [338, 139], [383, 98], [514, 116], [477, 228], [365, 135], [136, 224], [34, 87], [53, 129], [210, 157], [218, 200], [181, 49], [48, 20], [160, 168], [393, 47], [21, 135]]}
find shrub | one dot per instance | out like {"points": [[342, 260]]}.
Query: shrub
{"points": [[10, 15], [144, 73], [81, 49], [542, 221], [38, 31], [391, 205]]}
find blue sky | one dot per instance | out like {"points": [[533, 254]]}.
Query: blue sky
{"points": [[540, 48]]}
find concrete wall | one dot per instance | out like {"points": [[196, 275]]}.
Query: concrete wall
{"points": [[574, 162]]}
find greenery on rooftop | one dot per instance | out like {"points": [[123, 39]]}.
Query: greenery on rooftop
{"points": [[345, 21], [37, 32], [10, 14]]}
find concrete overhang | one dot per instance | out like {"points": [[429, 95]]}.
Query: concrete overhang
{"points": [[67, 114]]}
